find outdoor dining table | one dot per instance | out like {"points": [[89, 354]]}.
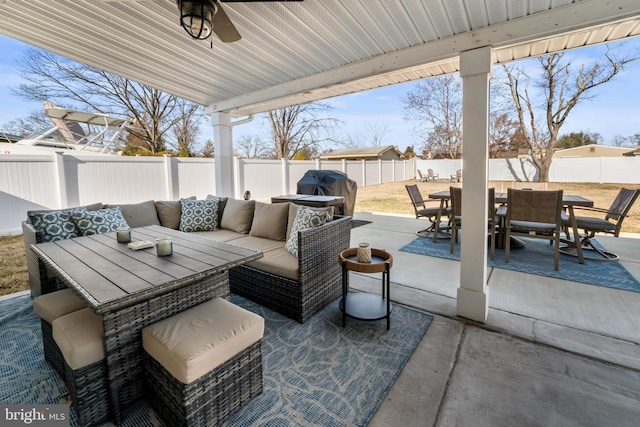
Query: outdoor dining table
{"points": [[132, 289], [568, 201]]}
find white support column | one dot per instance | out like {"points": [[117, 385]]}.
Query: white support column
{"points": [[223, 151], [473, 294]]}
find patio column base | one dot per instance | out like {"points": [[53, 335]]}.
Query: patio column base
{"points": [[473, 305]]}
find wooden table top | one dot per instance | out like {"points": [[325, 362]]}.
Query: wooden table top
{"points": [[109, 275]]}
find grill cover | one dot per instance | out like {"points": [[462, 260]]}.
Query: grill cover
{"points": [[330, 183]]}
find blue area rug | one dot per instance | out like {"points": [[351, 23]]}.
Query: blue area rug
{"points": [[315, 374], [537, 258]]}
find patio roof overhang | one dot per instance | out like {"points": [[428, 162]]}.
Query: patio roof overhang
{"points": [[297, 52]]}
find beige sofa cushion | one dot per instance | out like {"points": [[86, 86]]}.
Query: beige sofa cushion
{"points": [[237, 215], [56, 304], [139, 214], [194, 342], [257, 243], [270, 221], [293, 211], [220, 235], [80, 338], [279, 262]]}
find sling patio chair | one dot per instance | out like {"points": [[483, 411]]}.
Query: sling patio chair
{"points": [[535, 214], [610, 224], [456, 217], [422, 211]]}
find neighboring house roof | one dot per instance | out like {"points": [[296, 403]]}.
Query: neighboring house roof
{"points": [[360, 153], [592, 150], [632, 153]]}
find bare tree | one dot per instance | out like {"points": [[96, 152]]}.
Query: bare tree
{"points": [[63, 81], [299, 128], [373, 134], [36, 121], [505, 139], [562, 87], [435, 105], [251, 147], [186, 128]]}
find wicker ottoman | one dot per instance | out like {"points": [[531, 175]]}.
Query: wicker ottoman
{"points": [[49, 307], [80, 339], [204, 363]]}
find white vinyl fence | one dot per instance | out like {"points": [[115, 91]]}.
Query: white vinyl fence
{"points": [[29, 182], [55, 181], [612, 170]]}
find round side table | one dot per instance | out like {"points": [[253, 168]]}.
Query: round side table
{"points": [[365, 305]]}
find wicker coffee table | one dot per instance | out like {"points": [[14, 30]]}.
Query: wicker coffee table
{"points": [[365, 305]]}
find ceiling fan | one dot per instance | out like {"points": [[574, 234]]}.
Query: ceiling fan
{"points": [[200, 18]]}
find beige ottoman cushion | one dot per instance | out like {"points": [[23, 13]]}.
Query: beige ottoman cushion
{"points": [[56, 304], [80, 338], [194, 342]]}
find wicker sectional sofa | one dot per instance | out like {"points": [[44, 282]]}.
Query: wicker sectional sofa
{"points": [[294, 286]]}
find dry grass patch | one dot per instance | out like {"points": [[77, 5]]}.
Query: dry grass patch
{"points": [[393, 198], [13, 265]]}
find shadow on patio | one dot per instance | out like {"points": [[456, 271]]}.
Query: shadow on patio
{"points": [[553, 352]]}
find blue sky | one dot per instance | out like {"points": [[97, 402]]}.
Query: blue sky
{"points": [[612, 111]]}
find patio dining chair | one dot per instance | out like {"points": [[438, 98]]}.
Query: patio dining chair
{"points": [[610, 224], [456, 217], [535, 214], [421, 209]]}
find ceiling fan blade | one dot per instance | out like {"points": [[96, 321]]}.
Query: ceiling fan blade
{"points": [[223, 27]]}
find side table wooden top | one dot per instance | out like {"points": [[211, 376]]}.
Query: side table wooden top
{"points": [[379, 260]]}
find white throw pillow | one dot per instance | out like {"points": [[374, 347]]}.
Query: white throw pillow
{"points": [[305, 218]]}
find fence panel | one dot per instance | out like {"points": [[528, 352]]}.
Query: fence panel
{"points": [[263, 178], [196, 177]]}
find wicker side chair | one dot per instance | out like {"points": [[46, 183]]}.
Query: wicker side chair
{"points": [[610, 224], [535, 214], [456, 217]]}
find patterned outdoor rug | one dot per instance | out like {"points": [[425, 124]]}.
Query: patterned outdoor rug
{"points": [[537, 258], [318, 373]]}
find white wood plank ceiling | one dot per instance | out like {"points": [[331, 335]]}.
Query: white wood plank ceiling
{"points": [[295, 52]]}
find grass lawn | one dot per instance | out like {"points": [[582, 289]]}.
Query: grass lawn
{"points": [[389, 198]]}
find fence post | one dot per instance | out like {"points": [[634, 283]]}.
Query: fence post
{"points": [[61, 180], [285, 176], [317, 164], [364, 173], [171, 179], [344, 165], [238, 178], [379, 171]]}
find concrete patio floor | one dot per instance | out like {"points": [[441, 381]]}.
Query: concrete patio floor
{"points": [[553, 352]]}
